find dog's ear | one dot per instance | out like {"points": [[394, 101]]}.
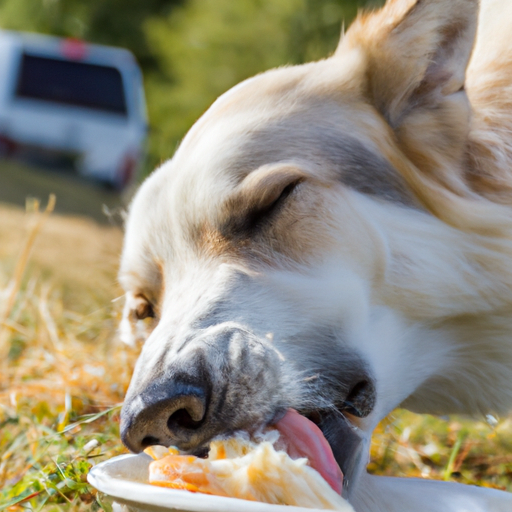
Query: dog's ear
{"points": [[417, 52]]}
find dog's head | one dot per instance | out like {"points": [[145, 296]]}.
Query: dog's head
{"points": [[282, 253]]}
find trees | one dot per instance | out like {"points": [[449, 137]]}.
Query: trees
{"points": [[113, 22], [207, 46]]}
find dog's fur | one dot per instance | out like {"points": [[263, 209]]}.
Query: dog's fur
{"points": [[340, 222]]}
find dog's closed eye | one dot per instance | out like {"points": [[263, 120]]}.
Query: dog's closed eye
{"points": [[260, 214], [260, 197]]}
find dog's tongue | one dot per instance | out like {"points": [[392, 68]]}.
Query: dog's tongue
{"points": [[304, 439]]}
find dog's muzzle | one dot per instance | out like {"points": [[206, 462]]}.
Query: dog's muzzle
{"points": [[221, 382], [229, 380]]}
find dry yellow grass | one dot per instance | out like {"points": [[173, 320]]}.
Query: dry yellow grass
{"points": [[64, 308], [64, 360], [74, 253]]}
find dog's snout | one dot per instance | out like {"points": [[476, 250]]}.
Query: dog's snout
{"points": [[168, 414]]}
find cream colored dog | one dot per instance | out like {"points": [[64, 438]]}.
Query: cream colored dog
{"points": [[336, 238]]}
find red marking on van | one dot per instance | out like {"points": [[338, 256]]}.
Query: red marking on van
{"points": [[74, 49]]}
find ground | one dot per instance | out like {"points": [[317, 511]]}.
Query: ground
{"points": [[63, 371], [76, 195]]}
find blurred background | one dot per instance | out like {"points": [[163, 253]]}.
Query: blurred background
{"points": [[74, 109], [93, 96]]}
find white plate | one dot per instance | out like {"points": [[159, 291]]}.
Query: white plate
{"points": [[124, 478]]}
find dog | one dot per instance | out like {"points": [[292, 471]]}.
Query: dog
{"points": [[336, 238]]}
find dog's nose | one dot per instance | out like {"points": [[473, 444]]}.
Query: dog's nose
{"points": [[166, 413]]}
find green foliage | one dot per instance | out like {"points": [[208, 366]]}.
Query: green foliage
{"points": [[113, 22], [207, 46]]}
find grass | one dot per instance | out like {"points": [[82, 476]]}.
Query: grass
{"points": [[63, 376], [456, 449], [77, 196]]}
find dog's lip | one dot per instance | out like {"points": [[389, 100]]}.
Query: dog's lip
{"points": [[348, 443]]}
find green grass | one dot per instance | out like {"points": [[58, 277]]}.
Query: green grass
{"points": [[63, 375], [76, 195], [51, 463], [455, 448]]}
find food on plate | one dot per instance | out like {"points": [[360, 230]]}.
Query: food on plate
{"points": [[278, 467]]}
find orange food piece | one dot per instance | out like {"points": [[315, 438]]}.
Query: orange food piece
{"points": [[240, 468], [184, 472]]}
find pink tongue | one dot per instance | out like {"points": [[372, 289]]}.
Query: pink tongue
{"points": [[304, 439]]}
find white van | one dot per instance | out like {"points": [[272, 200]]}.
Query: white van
{"points": [[78, 99]]}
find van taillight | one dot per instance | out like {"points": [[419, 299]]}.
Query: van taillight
{"points": [[127, 169]]}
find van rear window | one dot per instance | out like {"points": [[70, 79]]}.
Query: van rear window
{"points": [[71, 83]]}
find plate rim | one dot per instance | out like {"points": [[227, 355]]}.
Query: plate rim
{"points": [[125, 490]]}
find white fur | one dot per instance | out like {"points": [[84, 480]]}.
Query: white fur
{"points": [[425, 299]]}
